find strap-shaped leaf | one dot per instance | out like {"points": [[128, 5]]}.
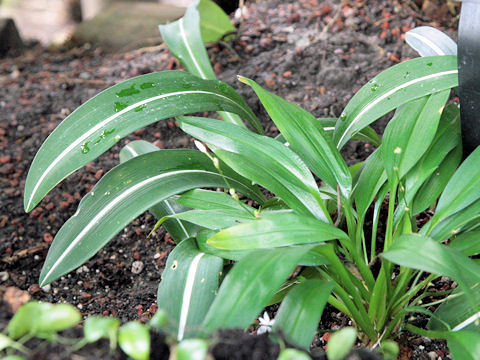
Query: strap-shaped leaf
{"points": [[210, 219], [214, 23], [121, 195], [299, 314], [275, 230], [423, 253], [307, 138], [428, 41], [409, 134], [212, 200], [464, 345], [188, 287], [249, 286], [468, 243], [263, 160], [178, 229], [371, 179], [462, 190], [98, 124], [393, 87], [184, 40]]}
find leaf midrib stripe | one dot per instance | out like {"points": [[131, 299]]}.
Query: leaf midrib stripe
{"points": [[111, 205], [84, 136], [427, 41], [189, 49], [387, 94]]}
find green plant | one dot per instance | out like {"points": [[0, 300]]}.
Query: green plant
{"points": [[377, 280]]}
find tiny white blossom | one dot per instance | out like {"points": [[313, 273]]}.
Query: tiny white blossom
{"points": [[200, 146], [265, 324]]}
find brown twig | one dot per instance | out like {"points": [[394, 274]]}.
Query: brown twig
{"points": [[23, 254]]}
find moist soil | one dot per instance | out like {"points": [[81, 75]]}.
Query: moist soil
{"points": [[314, 53]]}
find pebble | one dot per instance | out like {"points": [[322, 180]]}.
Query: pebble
{"points": [[47, 288], [137, 267], [47, 237], [4, 276], [432, 355]]}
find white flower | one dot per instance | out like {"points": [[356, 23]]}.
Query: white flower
{"points": [[265, 324]]}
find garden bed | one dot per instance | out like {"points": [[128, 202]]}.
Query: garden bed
{"points": [[312, 53]]}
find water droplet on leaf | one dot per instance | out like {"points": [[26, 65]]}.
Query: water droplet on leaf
{"points": [[128, 91]]}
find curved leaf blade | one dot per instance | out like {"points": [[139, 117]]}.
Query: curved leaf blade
{"points": [[102, 121], [214, 23], [120, 196], [249, 286], [183, 38], [428, 41], [275, 230], [393, 87], [464, 345], [262, 160], [178, 229], [188, 287], [307, 138], [300, 311]]}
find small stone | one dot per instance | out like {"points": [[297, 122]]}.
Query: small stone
{"points": [[137, 267], [5, 159], [432, 355], [4, 276], [47, 288]]}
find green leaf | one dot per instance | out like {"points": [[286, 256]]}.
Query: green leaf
{"points": [[213, 200], [422, 253], [340, 343], [249, 286], [159, 320], [428, 41], [116, 112], [214, 23], [262, 160], [275, 230], [191, 349], [371, 179], [211, 219], [22, 321], [399, 84], [409, 134], [298, 316], [134, 340], [5, 342], [464, 345], [136, 185], [462, 190], [307, 138], [188, 287], [98, 327], [184, 40], [293, 354], [468, 243], [179, 230]]}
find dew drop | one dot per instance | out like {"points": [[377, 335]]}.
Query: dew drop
{"points": [[119, 106], [429, 64], [140, 108], [147, 85], [343, 116], [407, 74], [85, 148]]}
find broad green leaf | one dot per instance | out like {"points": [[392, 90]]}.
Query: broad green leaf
{"points": [[427, 179], [212, 200], [468, 243], [184, 40], [263, 160], [249, 286], [371, 179], [188, 287], [210, 219], [458, 312], [159, 320], [409, 134], [464, 345], [214, 23], [306, 137], [22, 321], [462, 189], [98, 327], [124, 193], [340, 343], [435, 184], [102, 121], [179, 230], [399, 84], [275, 230], [5, 342], [293, 354], [298, 316], [134, 340], [191, 349], [366, 134], [453, 224], [428, 41], [422, 253]]}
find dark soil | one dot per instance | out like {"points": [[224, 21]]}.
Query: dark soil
{"points": [[313, 53]]}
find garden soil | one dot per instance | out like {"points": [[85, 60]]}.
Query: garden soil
{"points": [[314, 53]]}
